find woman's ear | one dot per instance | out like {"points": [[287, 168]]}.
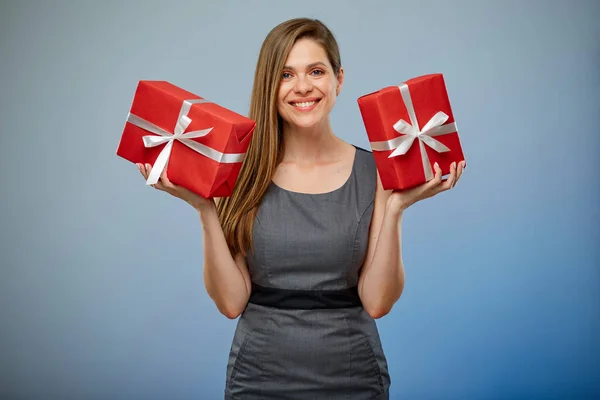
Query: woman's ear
{"points": [[340, 81]]}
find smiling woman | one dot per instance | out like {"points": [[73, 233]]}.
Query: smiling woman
{"points": [[308, 88], [306, 251]]}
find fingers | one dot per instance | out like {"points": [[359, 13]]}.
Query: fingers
{"points": [[159, 184], [438, 184], [145, 171], [461, 167], [456, 170], [142, 170], [451, 180], [430, 188], [163, 182], [163, 178], [437, 178]]}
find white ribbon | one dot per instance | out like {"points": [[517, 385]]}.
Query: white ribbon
{"points": [[434, 127], [183, 121]]}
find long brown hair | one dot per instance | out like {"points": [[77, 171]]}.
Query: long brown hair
{"points": [[237, 212]]}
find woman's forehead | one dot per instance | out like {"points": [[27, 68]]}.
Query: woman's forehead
{"points": [[306, 53]]}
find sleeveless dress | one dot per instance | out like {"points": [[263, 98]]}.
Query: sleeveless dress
{"points": [[304, 334]]}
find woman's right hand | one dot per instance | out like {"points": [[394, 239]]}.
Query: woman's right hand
{"points": [[198, 202]]}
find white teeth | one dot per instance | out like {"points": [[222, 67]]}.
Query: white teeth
{"points": [[305, 104]]}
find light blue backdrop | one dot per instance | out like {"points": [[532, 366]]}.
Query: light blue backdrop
{"points": [[101, 291]]}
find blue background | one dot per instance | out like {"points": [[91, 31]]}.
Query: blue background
{"points": [[101, 291]]}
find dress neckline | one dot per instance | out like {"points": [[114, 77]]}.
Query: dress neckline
{"points": [[339, 189]]}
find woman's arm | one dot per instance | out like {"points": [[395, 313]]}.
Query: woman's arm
{"points": [[382, 277], [226, 278]]}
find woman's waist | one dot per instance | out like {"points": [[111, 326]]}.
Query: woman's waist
{"points": [[305, 299], [320, 321]]}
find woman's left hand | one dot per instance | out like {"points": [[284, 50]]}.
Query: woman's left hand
{"points": [[400, 200]]}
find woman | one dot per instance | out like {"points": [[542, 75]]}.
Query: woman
{"points": [[307, 249]]}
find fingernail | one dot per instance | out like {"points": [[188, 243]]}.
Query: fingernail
{"points": [[453, 164], [435, 164]]}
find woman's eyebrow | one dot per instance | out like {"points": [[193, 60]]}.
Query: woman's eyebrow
{"points": [[311, 65]]}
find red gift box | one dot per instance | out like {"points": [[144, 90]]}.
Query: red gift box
{"points": [[410, 127], [203, 143]]}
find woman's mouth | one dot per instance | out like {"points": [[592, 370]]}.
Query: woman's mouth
{"points": [[304, 105]]}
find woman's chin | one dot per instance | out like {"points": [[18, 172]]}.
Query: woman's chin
{"points": [[307, 123]]}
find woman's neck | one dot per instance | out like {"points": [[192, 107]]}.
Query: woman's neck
{"points": [[308, 146]]}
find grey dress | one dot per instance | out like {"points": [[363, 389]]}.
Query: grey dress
{"points": [[304, 334]]}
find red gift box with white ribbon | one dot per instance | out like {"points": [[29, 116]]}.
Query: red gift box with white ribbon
{"points": [[411, 127], [202, 142]]}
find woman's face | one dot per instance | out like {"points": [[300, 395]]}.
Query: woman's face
{"points": [[308, 86]]}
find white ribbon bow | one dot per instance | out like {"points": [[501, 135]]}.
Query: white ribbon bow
{"points": [[434, 127], [183, 121]]}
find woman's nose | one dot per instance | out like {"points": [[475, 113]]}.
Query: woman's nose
{"points": [[303, 84]]}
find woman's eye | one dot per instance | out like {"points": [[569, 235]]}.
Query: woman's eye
{"points": [[317, 72], [286, 75]]}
